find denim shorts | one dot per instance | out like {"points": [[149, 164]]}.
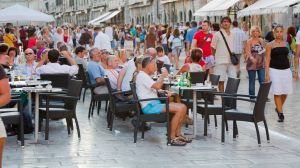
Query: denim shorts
{"points": [[154, 107]]}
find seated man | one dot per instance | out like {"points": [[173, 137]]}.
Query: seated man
{"points": [[53, 66], [80, 53], [96, 72], [111, 72], [146, 88]]}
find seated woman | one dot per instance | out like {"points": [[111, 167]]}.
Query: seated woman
{"points": [[12, 53], [146, 88], [28, 68], [122, 58], [111, 72], [194, 66]]}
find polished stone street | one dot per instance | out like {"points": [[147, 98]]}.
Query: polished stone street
{"points": [[99, 147]]}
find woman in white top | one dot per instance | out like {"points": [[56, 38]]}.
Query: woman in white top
{"points": [[175, 43], [196, 55], [111, 72]]}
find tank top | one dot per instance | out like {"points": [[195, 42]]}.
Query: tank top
{"points": [[257, 59], [195, 67], [279, 57]]}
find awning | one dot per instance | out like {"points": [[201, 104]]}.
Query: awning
{"points": [[111, 15], [99, 18], [296, 9], [279, 7], [167, 1], [259, 7], [216, 8]]}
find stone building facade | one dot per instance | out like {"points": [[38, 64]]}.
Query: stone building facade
{"points": [[145, 12]]}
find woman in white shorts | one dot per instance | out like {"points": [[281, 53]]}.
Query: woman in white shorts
{"points": [[4, 99], [278, 70]]}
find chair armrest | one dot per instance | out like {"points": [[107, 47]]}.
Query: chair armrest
{"points": [[159, 98], [238, 98], [232, 94], [53, 96], [122, 92]]}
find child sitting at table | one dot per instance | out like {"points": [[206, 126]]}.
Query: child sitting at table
{"points": [[161, 57]]}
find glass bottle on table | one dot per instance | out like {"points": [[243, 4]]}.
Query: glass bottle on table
{"points": [[189, 79]]}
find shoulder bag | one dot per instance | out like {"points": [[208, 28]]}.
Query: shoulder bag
{"points": [[233, 57]]}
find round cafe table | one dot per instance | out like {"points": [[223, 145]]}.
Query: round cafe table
{"points": [[195, 89]]}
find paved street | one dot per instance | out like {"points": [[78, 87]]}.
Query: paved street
{"points": [[99, 147]]}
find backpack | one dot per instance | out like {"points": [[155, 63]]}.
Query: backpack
{"points": [[293, 43], [176, 42]]}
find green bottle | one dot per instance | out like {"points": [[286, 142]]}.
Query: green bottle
{"points": [[189, 80], [181, 82]]}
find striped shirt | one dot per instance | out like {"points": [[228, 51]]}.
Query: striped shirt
{"points": [[238, 42]]}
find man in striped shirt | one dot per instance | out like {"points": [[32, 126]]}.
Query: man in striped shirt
{"points": [[239, 41]]}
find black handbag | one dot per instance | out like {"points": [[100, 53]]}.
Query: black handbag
{"points": [[233, 57]]}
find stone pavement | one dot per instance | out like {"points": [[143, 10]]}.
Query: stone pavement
{"points": [[99, 147]]}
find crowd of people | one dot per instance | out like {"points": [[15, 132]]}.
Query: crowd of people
{"points": [[126, 53]]}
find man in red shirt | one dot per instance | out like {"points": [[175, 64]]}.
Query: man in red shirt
{"points": [[202, 39]]}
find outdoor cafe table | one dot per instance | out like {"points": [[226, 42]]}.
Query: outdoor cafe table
{"points": [[195, 89], [37, 91], [29, 83]]}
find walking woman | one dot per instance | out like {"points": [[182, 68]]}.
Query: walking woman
{"points": [[175, 43], [278, 70], [254, 57], [150, 40]]}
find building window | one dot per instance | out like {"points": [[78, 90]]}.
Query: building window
{"points": [[59, 2], [180, 16], [190, 15], [71, 2]]}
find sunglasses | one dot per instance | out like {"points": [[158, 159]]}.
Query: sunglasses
{"points": [[28, 53]]}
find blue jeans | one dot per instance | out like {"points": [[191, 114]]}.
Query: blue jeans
{"points": [[252, 78]]}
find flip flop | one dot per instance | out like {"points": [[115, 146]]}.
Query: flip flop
{"points": [[185, 139], [177, 142]]}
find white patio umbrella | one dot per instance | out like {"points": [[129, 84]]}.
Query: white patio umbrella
{"points": [[19, 13]]}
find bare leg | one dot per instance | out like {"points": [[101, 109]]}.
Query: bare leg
{"points": [[283, 98], [178, 110], [2, 142], [221, 86], [278, 103]]}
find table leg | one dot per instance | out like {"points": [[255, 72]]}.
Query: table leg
{"points": [[36, 118], [194, 113], [29, 103]]}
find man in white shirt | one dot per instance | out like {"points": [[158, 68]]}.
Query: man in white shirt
{"points": [[239, 41], [58, 37], [109, 31], [224, 67], [53, 66], [102, 41], [146, 88]]}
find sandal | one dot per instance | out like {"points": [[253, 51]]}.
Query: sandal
{"points": [[177, 142], [184, 139]]}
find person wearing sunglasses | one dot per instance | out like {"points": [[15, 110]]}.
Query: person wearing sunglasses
{"points": [[28, 68]]}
